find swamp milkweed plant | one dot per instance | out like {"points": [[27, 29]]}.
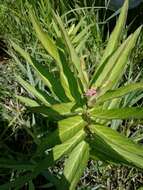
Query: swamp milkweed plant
{"points": [[82, 106]]}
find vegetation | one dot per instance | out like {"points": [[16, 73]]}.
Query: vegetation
{"points": [[81, 110]]}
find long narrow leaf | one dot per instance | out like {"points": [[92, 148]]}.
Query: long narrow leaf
{"points": [[119, 92], [130, 151], [67, 128], [73, 83], [116, 35], [67, 146], [74, 57], [17, 165], [122, 113], [46, 41], [48, 78], [32, 90], [52, 49], [27, 101], [75, 165], [119, 68], [113, 42], [104, 71], [57, 110]]}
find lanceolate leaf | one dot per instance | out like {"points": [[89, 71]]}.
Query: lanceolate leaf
{"points": [[46, 41], [48, 78], [54, 83], [20, 181], [122, 113], [75, 165], [128, 150], [119, 68], [51, 48], [77, 124], [113, 42], [101, 77], [27, 101], [67, 146], [15, 164], [119, 92], [73, 84], [74, 57], [81, 35], [58, 111], [32, 90], [116, 35], [67, 128], [116, 63], [100, 150], [112, 78]]}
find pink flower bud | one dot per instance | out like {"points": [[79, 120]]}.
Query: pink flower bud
{"points": [[91, 92]]}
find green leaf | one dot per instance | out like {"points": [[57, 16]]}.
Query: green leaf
{"points": [[75, 165], [113, 42], [80, 36], [122, 113], [31, 185], [20, 181], [15, 164], [32, 90], [101, 150], [51, 178], [67, 146], [73, 84], [117, 63], [119, 69], [52, 82], [127, 149], [27, 101], [47, 77], [79, 49], [76, 29], [117, 33], [58, 111], [67, 128], [44, 38], [141, 188], [51, 48], [119, 92], [74, 57], [101, 77]]}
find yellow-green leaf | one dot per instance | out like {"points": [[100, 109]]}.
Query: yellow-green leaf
{"points": [[117, 113], [119, 92], [113, 42], [75, 165], [67, 146], [47, 77], [131, 152], [52, 49], [116, 35], [27, 101], [32, 90], [73, 55], [67, 128], [44, 38]]}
